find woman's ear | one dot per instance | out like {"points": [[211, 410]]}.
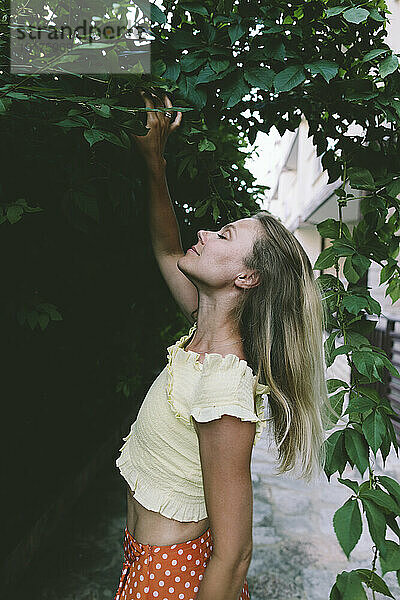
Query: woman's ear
{"points": [[248, 280]]}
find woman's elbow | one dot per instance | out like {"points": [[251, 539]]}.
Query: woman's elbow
{"points": [[235, 558]]}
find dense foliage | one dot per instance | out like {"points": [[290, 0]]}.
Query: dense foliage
{"points": [[235, 68]]}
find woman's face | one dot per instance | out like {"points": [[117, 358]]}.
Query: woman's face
{"points": [[218, 261]]}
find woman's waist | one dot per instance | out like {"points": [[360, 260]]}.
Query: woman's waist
{"points": [[150, 527]]}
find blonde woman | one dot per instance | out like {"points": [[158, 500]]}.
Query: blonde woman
{"points": [[256, 312]]}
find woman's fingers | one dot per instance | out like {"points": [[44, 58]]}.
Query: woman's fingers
{"points": [[167, 101], [176, 122], [148, 101], [158, 103]]}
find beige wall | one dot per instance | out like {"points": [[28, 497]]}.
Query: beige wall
{"points": [[393, 27]]}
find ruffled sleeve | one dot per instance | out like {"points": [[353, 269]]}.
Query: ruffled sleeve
{"points": [[227, 387]]}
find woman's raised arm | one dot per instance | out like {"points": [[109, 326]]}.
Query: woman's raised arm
{"points": [[164, 229]]}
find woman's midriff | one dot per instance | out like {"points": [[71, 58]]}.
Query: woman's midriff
{"points": [[149, 527]]}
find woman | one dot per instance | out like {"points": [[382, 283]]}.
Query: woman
{"points": [[187, 457]]}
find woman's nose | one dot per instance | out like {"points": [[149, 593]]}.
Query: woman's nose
{"points": [[200, 235]]}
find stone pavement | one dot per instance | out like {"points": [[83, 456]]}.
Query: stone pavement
{"points": [[296, 553]]}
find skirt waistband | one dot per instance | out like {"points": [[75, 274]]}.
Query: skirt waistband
{"points": [[202, 545]]}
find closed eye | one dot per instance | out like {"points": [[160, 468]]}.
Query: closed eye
{"points": [[221, 236]]}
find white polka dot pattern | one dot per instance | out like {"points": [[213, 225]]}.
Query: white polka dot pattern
{"points": [[175, 573]]}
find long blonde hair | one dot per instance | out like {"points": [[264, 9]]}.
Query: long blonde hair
{"points": [[281, 321]]}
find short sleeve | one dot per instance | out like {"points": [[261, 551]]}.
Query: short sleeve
{"points": [[226, 387]]}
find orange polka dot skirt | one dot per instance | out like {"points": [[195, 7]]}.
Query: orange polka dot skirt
{"points": [[165, 572]]}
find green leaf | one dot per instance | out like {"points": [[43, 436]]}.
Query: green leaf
{"points": [[360, 178], [32, 318], [344, 349], [196, 95], [289, 78], [353, 485], [14, 213], [373, 426], [191, 61], [111, 137], [336, 401], [236, 90], [5, 103], [206, 75], [390, 557], [260, 77], [350, 586], [360, 263], [374, 582], [376, 521], [353, 303], [172, 71], [330, 228], [18, 96], [201, 210], [374, 14], [373, 54], [206, 144], [195, 8], [184, 163], [391, 485], [347, 524], [326, 259], [326, 68], [182, 40], [336, 457], [349, 272], [103, 110], [356, 15], [235, 32], [359, 404], [157, 14], [215, 212], [356, 448], [392, 523], [219, 64], [388, 65], [158, 67], [387, 271], [343, 247], [393, 188], [335, 594], [55, 316], [68, 123], [94, 46], [224, 173], [43, 321], [335, 384], [393, 289], [335, 10], [92, 136]]}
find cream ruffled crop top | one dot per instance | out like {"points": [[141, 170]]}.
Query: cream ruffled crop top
{"points": [[160, 459]]}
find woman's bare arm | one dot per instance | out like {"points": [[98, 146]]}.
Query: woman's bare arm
{"points": [[164, 229], [163, 225], [225, 451]]}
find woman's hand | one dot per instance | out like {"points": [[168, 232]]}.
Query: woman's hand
{"points": [[152, 144]]}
